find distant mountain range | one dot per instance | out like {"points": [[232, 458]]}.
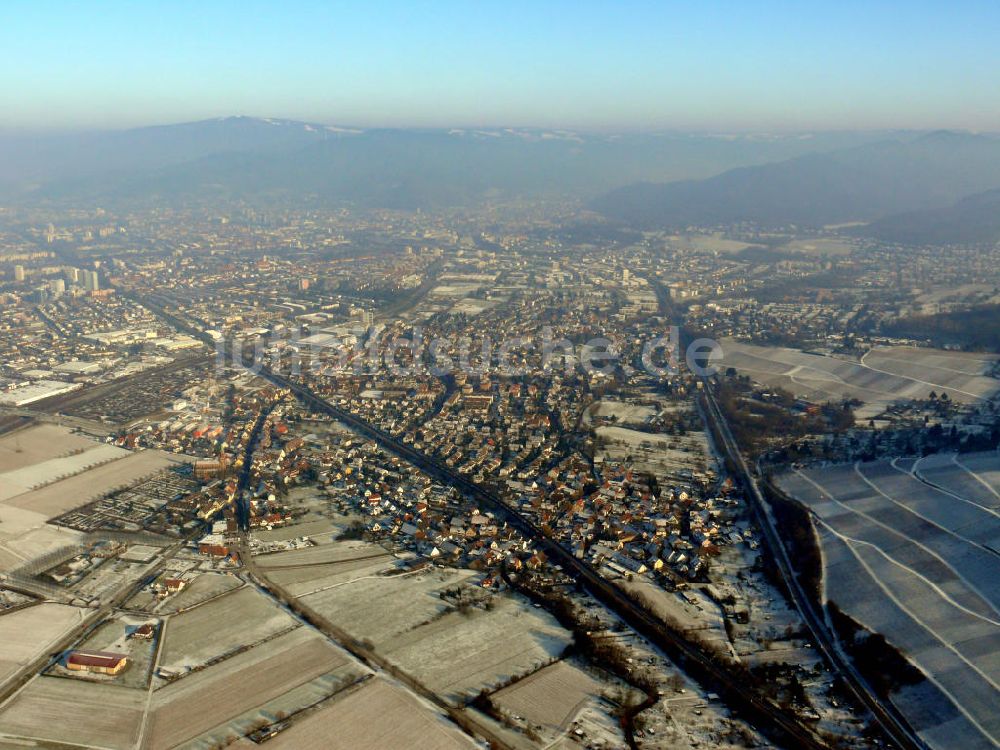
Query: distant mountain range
{"points": [[267, 159], [936, 187], [973, 220], [913, 180]]}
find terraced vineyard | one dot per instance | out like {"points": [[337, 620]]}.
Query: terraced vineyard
{"points": [[912, 550]]}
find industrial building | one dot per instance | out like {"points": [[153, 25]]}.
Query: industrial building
{"points": [[97, 662]]}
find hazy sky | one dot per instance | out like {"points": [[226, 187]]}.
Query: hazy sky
{"points": [[697, 64]]}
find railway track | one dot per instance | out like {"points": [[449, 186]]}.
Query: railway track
{"points": [[734, 686], [893, 725]]}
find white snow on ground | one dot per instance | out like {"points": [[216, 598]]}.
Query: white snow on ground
{"points": [[919, 563], [881, 376]]}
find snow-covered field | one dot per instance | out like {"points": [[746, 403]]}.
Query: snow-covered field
{"points": [[36, 475], [327, 567], [919, 564], [74, 713], [454, 653], [39, 443], [551, 697], [57, 497], [379, 716], [460, 654], [320, 530], [883, 375], [623, 413], [378, 607], [204, 587], [28, 633], [222, 702], [220, 627], [664, 456], [25, 535]]}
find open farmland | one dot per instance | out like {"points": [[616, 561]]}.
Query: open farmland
{"points": [[28, 633], [327, 553], [377, 716], [38, 475], [707, 243], [305, 580], [462, 653], [664, 456], [319, 529], [550, 697], [221, 627], [57, 497], [285, 675], [39, 443], [910, 551], [819, 246], [359, 605], [454, 653], [203, 588], [24, 535], [325, 567], [883, 375], [55, 710], [622, 412]]}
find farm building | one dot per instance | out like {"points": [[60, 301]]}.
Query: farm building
{"points": [[98, 662], [144, 632]]}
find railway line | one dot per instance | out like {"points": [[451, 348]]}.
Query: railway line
{"points": [[734, 686], [893, 725]]}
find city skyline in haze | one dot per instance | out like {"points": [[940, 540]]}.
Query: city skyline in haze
{"points": [[769, 66]]}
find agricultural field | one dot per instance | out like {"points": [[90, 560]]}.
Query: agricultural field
{"points": [[57, 497], [551, 697], [204, 587], [28, 633], [36, 475], [969, 293], [221, 628], [909, 551], [667, 457], [39, 443], [819, 246], [46, 469], [25, 535], [334, 552], [319, 529], [302, 581], [707, 243], [377, 716], [358, 602], [461, 653], [74, 712], [277, 678], [621, 412], [880, 377], [453, 651], [325, 567]]}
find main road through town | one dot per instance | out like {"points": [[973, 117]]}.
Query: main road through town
{"points": [[733, 685]]}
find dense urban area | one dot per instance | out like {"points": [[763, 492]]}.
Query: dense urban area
{"points": [[509, 476]]}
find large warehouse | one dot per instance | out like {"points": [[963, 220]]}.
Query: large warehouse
{"points": [[98, 662]]}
